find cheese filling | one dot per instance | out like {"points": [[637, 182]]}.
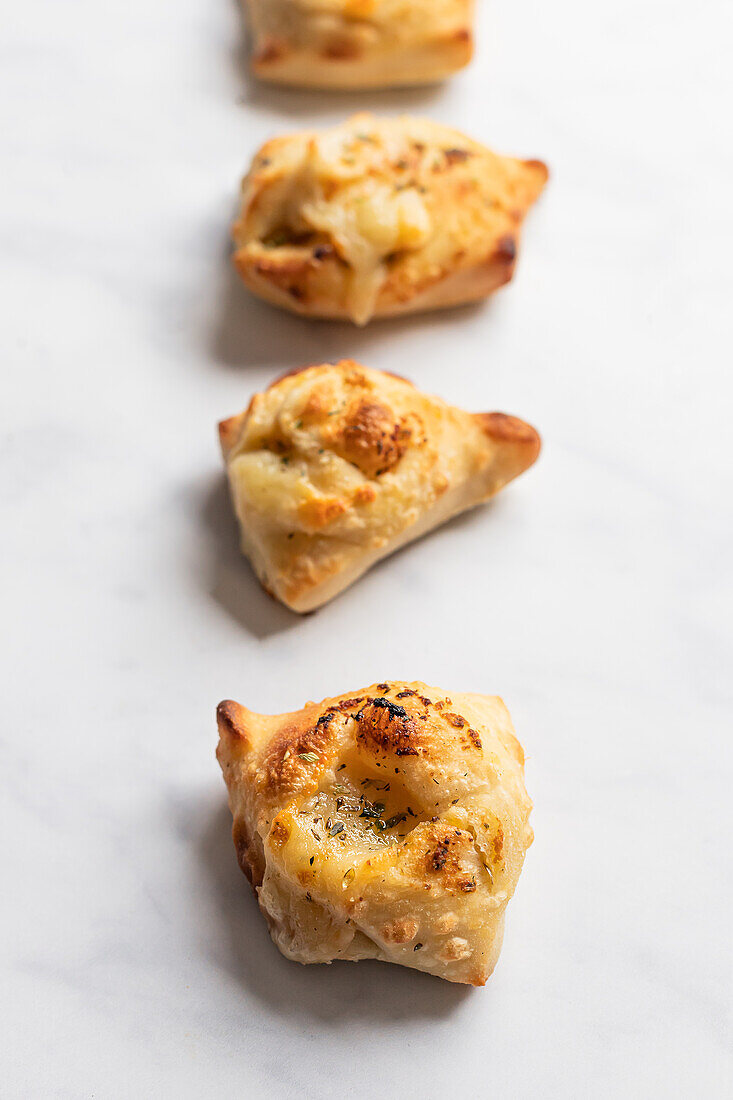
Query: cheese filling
{"points": [[345, 190]]}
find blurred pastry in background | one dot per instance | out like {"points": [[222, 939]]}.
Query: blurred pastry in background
{"points": [[359, 43]]}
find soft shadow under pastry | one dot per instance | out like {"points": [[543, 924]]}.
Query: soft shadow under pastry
{"points": [[359, 43], [335, 466], [378, 217], [388, 823]]}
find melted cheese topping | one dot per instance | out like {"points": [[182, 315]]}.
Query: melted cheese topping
{"points": [[373, 222], [341, 186]]}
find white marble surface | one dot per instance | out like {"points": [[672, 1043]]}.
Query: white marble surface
{"points": [[594, 595]]}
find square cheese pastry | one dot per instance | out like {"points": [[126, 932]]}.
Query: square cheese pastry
{"points": [[335, 466], [389, 823], [378, 217], [359, 43]]}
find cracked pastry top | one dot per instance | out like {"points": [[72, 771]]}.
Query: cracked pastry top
{"points": [[377, 217], [389, 823], [335, 466], [359, 43]]}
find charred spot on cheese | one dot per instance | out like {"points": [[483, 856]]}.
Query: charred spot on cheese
{"points": [[387, 726], [347, 704], [395, 710]]}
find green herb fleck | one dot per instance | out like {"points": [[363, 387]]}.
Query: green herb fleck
{"points": [[309, 757], [372, 810]]}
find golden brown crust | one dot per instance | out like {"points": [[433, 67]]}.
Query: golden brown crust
{"points": [[359, 43], [335, 466], [372, 825], [229, 430], [513, 434], [509, 429], [378, 217], [230, 717]]}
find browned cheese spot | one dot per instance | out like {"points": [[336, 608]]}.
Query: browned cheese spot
{"points": [[386, 726], [371, 437]]}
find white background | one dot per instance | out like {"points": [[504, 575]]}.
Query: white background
{"points": [[594, 595]]}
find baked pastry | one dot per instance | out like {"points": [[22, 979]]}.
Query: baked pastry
{"points": [[359, 43], [377, 217], [389, 823], [335, 466]]}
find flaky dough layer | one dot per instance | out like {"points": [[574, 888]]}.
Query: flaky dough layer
{"points": [[378, 217], [336, 466], [388, 823]]}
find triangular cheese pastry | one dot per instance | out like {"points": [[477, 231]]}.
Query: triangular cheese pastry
{"points": [[377, 217], [359, 43], [389, 823], [335, 466]]}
